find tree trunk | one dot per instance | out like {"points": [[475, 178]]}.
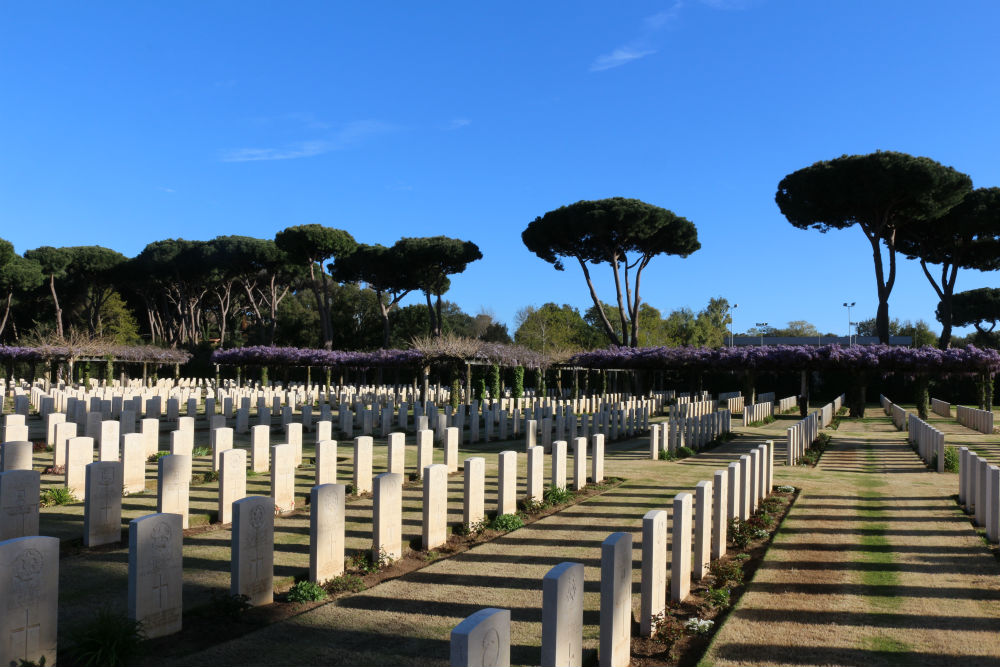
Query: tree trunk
{"points": [[882, 320], [804, 394], [55, 300]]}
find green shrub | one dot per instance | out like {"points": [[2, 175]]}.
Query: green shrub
{"points": [[667, 456], [718, 597], [555, 495], [56, 496], [518, 389], [532, 506], [684, 452], [507, 522], [157, 456], [306, 591], [365, 562], [251, 473], [110, 639], [726, 573], [201, 451], [210, 476], [950, 459], [669, 629], [351, 490], [494, 375], [345, 583], [739, 533], [741, 557]]}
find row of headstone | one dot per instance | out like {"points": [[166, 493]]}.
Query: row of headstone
{"points": [[941, 408], [800, 436], [689, 408], [484, 637], [977, 420], [755, 413], [732, 403], [692, 432], [927, 441], [896, 413], [830, 410], [786, 404], [979, 491]]}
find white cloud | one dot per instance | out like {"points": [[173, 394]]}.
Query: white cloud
{"points": [[457, 123], [641, 46], [167, 190], [348, 135], [286, 152], [619, 57]]}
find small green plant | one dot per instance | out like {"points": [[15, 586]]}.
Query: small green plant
{"points": [[669, 630], [251, 473], [684, 452], [109, 639], [784, 488], [770, 505], [233, 606], [351, 490], [476, 528], [718, 598], [667, 456], [950, 459], [532, 506], [201, 451], [727, 573], [210, 476], [345, 583], [507, 522], [739, 533], [742, 557], [431, 555], [763, 422], [157, 456], [555, 495], [366, 563], [306, 591], [56, 496]]}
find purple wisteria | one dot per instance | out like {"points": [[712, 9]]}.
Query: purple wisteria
{"points": [[124, 353], [260, 355], [858, 358]]}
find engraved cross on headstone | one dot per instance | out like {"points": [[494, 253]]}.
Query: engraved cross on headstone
{"points": [[160, 587], [27, 636], [21, 508]]}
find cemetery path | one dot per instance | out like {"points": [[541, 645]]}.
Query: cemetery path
{"points": [[408, 621], [875, 565]]}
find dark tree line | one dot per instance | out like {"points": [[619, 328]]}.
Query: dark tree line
{"points": [[234, 290]]}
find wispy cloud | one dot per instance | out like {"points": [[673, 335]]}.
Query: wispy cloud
{"points": [[458, 123], [167, 190], [641, 46], [348, 135], [619, 57]]}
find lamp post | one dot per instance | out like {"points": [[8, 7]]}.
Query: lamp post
{"points": [[761, 326], [731, 335], [848, 306]]}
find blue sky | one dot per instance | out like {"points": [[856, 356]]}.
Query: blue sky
{"points": [[125, 123]]}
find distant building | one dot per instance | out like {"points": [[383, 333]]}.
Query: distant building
{"points": [[905, 341]]}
